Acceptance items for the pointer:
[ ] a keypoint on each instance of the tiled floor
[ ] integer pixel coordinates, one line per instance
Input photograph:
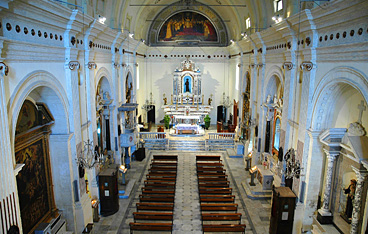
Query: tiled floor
(256, 213)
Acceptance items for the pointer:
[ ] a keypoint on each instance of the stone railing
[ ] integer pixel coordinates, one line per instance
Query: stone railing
(152, 135)
(221, 136)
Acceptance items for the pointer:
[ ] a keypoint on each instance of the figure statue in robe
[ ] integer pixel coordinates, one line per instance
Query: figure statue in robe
(128, 93)
(186, 86)
(349, 203)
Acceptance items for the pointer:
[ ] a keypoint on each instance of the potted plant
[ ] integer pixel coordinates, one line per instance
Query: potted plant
(167, 121)
(207, 121)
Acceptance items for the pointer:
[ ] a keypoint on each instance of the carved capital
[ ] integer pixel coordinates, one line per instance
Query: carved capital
(116, 65)
(288, 65)
(74, 65)
(306, 66)
(124, 65)
(136, 64)
(260, 65)
(252, 65)
(91, 65)
(4, 68)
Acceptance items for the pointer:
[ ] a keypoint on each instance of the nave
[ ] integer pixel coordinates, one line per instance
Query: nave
(187, 216)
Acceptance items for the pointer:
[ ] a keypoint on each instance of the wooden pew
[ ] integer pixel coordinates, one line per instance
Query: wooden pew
(155, 206)
(212, 178)
(165, 157)
(211, 169)
(217, 200)
(219, 207)
(153, 216)
(223, 228)
(159, 198)
(215, 190)
(163, 164)
(149, 191)
(160, 177)
(158, 169)
(151, 227)
(213, 185)
(211, 158)
(201, 174)
(224, 182)
(211, 164)
(221, 217)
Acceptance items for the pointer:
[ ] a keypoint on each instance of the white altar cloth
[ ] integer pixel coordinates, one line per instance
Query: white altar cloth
(180, 127)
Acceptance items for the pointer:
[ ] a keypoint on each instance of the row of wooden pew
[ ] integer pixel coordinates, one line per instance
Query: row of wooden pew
(218, 207)
(156, 202)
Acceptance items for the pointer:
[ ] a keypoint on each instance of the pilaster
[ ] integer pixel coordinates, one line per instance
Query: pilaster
(324, 215)
(357, 202)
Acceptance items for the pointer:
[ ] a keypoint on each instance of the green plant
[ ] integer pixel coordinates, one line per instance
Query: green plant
(207, 121)
(167, 121)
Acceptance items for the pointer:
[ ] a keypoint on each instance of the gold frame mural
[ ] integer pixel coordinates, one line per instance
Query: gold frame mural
(188, 25)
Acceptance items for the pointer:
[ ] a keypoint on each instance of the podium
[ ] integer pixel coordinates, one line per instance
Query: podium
(109, 194)
(282, 211)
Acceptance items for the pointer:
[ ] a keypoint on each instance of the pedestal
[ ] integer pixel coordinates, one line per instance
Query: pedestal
(252, 180)
(324, 217)
(248, 163)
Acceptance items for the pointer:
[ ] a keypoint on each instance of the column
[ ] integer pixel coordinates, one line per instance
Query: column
(356, 219)
(324, 215)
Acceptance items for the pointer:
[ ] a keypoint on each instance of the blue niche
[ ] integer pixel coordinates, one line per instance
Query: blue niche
(187, 84)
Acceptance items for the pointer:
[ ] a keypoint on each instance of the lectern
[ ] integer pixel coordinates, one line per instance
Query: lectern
(109, 194)
(282, 211)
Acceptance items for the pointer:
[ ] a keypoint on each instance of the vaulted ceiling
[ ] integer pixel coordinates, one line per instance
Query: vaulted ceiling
(136, 16)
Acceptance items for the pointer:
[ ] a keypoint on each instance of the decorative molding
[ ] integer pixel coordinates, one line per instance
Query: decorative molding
(124, 65)
(91, 65)
(287, 65)
(4, 68)
(74, 65)
(306, 66)
(116, 65)
(252, 65)
(260, 65)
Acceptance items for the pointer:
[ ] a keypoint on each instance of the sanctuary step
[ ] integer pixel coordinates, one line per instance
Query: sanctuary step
(187, 145)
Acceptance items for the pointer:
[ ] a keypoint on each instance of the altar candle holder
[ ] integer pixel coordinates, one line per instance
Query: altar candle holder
(253, 171)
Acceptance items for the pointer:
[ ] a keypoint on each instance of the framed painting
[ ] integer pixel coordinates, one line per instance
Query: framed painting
(188, 26)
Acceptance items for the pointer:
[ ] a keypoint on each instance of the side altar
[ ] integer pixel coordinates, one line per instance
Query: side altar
(187, 108)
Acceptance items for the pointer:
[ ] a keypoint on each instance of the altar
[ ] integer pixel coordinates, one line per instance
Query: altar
(187, 109)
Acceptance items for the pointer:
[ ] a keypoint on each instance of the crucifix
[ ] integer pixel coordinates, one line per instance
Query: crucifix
(361, 108)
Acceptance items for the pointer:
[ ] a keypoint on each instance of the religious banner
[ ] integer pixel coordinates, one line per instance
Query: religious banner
(187, 26)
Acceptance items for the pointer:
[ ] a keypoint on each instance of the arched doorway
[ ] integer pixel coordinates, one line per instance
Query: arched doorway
(339, 102)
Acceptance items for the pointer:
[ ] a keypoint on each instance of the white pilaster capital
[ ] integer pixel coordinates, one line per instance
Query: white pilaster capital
(4, 69)
(73, 65)
(307, 65)
(360, 174)
(287, 66)
(313, 133)
(331, 155)
(91, 65)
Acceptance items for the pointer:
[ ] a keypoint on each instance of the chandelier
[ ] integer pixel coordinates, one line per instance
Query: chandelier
(148, 105)
(226, 101)
(292, 168)
(89, 157)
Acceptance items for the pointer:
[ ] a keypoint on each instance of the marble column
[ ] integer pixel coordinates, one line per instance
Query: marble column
(355, 219)
(324, 215)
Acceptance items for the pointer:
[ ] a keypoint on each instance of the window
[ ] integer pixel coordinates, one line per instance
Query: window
(247, 23)
(278, 5)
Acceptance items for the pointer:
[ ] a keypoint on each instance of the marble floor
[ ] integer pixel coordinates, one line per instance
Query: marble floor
(255, 213)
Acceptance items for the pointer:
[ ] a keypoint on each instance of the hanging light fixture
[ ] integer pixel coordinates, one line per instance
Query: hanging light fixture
(88, 157)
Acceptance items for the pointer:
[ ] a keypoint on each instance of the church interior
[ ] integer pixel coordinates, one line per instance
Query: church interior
(183, 116)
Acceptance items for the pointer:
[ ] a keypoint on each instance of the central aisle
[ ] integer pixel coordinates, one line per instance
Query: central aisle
(187, 211)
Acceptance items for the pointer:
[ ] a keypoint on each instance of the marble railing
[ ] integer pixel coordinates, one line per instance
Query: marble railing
(152, 135)
(221, 136)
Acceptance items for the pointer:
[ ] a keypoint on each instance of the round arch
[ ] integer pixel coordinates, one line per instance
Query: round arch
(328, 88)
(39, 80)
(275, 72)
(101, 74)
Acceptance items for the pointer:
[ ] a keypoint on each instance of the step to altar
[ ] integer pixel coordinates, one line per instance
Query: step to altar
(256, 192)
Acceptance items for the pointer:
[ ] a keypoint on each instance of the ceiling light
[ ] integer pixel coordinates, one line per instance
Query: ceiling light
(232, 41)
(101, 19)
(131, 35)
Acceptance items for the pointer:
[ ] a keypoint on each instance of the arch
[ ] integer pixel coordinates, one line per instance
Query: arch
(50, 84)
(275, 72)
(101, 73)
(167, 13)
(327, 88)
